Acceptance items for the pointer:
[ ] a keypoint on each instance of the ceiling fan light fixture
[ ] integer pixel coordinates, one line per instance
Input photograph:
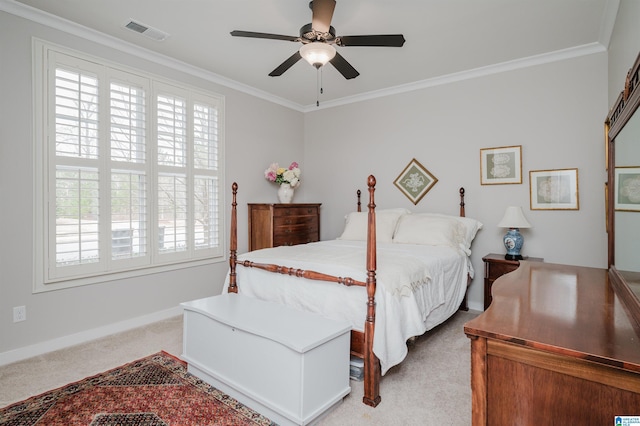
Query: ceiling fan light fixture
(317, 53)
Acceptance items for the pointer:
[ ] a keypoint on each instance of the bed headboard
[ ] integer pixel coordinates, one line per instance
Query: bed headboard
(462, 212)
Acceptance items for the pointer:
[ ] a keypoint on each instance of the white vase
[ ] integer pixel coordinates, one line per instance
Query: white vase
(285, 193)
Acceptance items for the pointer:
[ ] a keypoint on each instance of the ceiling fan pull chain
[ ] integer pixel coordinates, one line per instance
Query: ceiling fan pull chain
(318, 86)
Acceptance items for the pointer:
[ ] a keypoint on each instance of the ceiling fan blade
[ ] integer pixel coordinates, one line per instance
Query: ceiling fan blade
(344, 67)
(322, 14)
(286, 65)
(252, 34)
(382, 40)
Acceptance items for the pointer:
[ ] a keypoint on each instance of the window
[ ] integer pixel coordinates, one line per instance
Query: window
(130, 171)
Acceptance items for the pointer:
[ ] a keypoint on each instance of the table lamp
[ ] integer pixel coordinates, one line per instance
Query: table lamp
(514, 220)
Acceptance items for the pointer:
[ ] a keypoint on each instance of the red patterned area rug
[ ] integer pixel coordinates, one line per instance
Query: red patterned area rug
(153, 391)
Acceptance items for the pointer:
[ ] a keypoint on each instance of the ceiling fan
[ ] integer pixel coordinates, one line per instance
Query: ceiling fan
(318, 39)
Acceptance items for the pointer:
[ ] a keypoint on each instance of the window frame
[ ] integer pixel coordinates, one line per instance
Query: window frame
(47, 275)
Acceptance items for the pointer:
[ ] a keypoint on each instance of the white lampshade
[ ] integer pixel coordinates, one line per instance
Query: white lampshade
(317, 53)
(514, 218)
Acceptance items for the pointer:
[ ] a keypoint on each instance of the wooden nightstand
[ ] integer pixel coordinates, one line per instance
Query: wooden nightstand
(273, 225)
(495, 266)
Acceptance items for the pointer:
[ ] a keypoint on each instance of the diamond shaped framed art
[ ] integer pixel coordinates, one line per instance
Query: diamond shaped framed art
(415, 181)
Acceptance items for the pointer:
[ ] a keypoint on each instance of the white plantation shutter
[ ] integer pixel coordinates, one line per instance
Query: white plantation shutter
(172, 171)
(74, 202)
(129, 230)
(128, 122)
(76, 112)
(205, 195)
(77, 216)
(131, 171)
(172, 131)
(172, 212)
(206, 212)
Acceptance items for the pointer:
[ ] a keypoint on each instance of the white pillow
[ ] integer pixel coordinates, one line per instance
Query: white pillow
(399, 210)
(355, 227)
(429, 230)
(471, 226)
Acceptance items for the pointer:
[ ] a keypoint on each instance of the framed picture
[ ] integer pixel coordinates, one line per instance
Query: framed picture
(415, 181)
(554, 189)
(627, 189)
(500, 166)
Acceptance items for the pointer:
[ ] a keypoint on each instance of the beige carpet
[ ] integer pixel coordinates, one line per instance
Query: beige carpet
(431, 387)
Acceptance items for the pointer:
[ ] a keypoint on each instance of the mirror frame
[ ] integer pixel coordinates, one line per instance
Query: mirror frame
(623, 109)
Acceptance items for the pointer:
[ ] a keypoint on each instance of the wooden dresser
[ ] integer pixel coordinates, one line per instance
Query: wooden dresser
(555, 347)
(272, 225)
(495, 266)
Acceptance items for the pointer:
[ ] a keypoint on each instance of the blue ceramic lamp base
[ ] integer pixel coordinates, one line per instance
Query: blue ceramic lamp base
(513, 241)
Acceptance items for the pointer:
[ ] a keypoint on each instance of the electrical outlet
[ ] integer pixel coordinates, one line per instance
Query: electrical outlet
(19, 313)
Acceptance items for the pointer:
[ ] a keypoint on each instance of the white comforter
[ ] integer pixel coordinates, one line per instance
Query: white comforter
(418, 287)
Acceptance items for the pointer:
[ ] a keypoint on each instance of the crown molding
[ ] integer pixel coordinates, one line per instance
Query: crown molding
(559, 55)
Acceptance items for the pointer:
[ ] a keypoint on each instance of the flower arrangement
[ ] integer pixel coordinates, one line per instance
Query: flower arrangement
(281, 175)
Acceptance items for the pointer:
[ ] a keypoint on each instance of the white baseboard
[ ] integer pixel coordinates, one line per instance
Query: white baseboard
(85, 336)
(476, 306)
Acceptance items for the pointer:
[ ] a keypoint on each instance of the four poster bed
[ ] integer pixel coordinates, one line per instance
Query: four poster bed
(417, 273)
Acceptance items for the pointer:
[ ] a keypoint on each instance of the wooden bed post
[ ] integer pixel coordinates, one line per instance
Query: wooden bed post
(233, 243)
(372, 374)
(464, 306)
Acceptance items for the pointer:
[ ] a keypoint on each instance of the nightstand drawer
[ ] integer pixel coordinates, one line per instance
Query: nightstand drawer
(496, 270)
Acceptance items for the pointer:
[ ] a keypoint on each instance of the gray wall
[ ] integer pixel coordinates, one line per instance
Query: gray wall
(555, 111)
(623, 46)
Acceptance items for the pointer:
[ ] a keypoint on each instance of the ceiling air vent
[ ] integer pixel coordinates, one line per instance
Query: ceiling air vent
(146, 30)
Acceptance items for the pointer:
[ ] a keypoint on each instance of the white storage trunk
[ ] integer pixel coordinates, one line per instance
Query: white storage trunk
(289, 365)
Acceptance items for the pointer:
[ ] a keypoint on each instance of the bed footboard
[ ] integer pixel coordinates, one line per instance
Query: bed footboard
(362, 343)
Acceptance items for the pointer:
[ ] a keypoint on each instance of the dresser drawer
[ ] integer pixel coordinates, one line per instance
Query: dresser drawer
(292, 221)
(301, 232)
(295, 211)
(293, 239)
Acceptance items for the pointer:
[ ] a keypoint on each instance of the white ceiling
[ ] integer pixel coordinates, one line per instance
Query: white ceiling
(444, 38)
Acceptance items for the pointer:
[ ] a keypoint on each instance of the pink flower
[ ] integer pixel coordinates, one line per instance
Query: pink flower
(281, 175)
